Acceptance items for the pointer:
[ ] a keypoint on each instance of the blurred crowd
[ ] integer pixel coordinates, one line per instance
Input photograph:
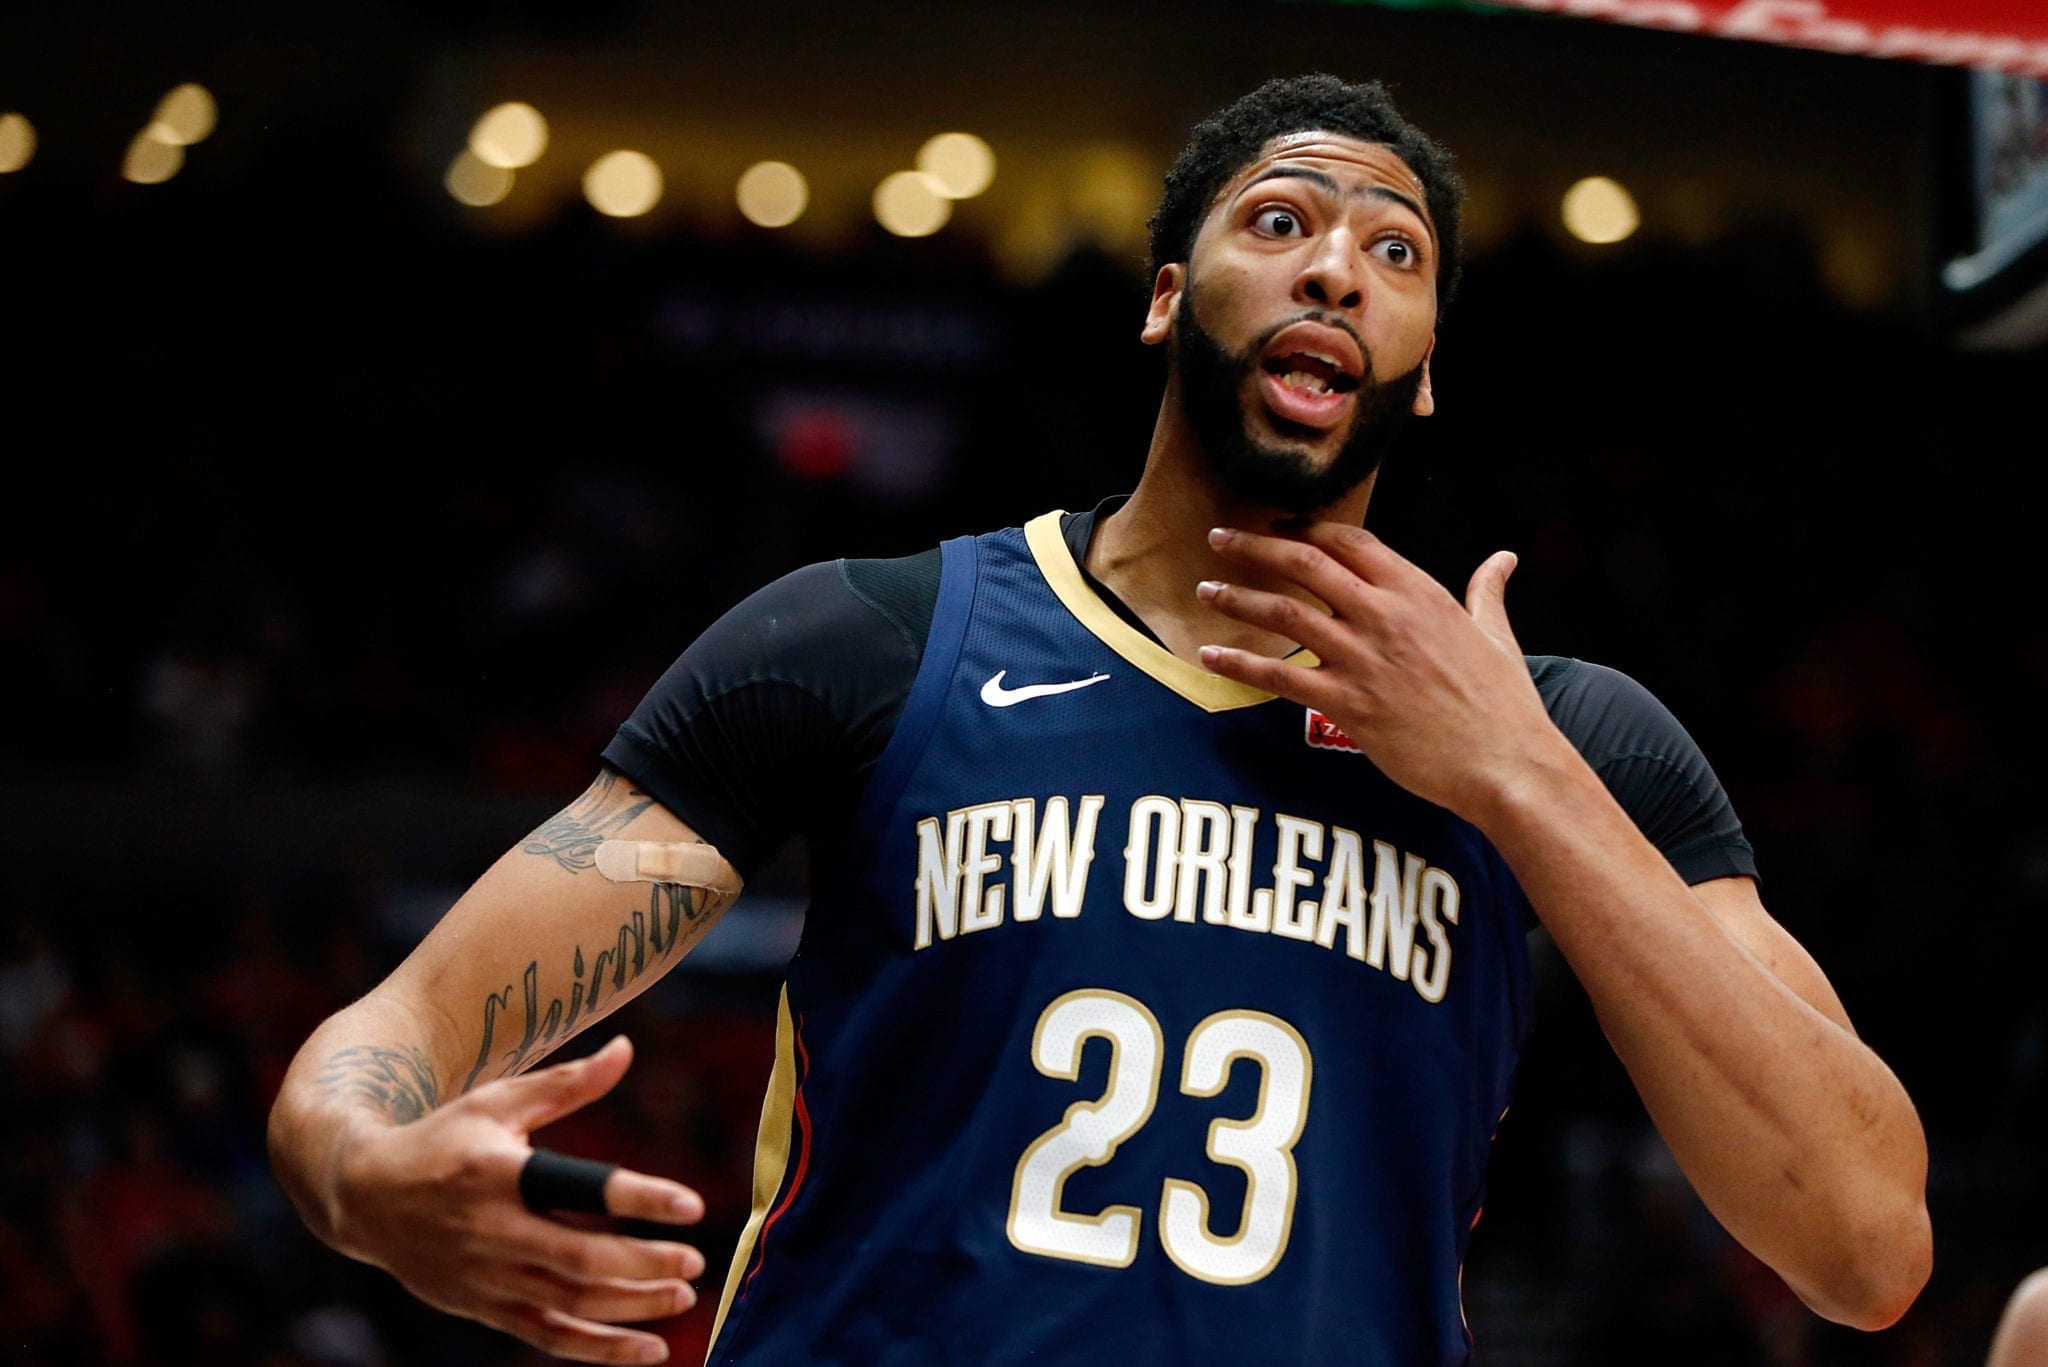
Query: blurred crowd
(345, 535)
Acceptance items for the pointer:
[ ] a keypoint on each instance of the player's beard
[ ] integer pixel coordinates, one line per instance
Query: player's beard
(1212, 386)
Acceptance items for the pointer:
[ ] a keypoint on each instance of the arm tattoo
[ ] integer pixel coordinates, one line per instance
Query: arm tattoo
(675, 919)
(571, 836)
(398, 1082)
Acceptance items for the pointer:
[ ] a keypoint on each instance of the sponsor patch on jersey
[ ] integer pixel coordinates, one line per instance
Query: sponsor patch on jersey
(1323, 734)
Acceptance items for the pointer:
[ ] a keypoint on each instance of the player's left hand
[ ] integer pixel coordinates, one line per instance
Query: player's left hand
(1436, 694)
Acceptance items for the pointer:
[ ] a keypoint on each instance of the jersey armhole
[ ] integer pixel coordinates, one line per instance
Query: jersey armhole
(959, 571)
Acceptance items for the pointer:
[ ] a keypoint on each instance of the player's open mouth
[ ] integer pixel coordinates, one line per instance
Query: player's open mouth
(1311, 371)
(1307, 389)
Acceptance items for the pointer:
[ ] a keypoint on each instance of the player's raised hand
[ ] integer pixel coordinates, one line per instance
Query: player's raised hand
(1435, 693)
(437, 1204)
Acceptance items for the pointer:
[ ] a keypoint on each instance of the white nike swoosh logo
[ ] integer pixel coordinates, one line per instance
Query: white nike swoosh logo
(995, 695)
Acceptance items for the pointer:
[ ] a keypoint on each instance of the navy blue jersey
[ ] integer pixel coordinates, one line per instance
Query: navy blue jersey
(1138, 1017)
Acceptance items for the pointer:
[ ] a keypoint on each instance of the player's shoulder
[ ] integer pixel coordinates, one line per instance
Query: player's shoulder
(902, 589)
(840, 601)
(1606, 713)
(845, 603)
(1563, 680)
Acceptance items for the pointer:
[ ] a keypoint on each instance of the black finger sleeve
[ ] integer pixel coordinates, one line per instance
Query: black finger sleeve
(555, 1181)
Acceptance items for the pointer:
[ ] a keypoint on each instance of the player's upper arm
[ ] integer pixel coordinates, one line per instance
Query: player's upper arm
(1658, 773)
(1654, 768)
(546, 942)
(1735, 904)
(768, 719)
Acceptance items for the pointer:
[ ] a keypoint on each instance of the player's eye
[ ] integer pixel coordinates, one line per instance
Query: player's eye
(1277, 222)
(1398, 252)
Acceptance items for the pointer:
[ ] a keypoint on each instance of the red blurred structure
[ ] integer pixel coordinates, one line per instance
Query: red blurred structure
(2008, 35)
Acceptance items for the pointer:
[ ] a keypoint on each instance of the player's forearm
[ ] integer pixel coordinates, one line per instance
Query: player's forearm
(1795, 1134)
(369, 1066)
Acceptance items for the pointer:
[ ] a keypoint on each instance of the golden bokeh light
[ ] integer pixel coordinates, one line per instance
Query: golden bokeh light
(773, 194)
(151, 162)
(17, 142)
(510, 135)
(475, 181)
(623, 184)
(908, 204)
(185, 116)
(960, 164)
(1600, 211)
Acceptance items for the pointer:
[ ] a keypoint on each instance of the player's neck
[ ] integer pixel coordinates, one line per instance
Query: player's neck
(1154, 550)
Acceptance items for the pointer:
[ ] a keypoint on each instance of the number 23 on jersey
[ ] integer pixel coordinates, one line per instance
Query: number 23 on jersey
(1262, 1144)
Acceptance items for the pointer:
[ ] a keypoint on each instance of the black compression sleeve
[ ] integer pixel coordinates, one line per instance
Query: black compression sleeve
(773, 717)
(1653, 768)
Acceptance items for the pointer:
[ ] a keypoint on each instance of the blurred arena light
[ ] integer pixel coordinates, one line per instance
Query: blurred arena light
(960, 165)
(475, 181)
(17, 142)
(773, 194)
(1600, 210)
(184, 117)
(509, 136)
(150, 161)
(909, 204)
(623, 184)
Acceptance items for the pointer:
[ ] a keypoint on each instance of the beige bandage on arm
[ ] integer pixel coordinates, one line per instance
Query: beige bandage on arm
(666, 861)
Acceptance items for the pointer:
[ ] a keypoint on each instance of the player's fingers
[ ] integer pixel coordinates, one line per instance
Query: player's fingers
(548, 1094)
(1370, 558)
(1292, 682)
(1486, 595)
(591, 1255)
(565, 1336)
(639, 1196)
(614, 1300)
(1282, 557)
(1277, 613)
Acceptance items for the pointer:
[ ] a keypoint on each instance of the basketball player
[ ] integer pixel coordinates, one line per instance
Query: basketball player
(2022, 1336)
(1166, 974)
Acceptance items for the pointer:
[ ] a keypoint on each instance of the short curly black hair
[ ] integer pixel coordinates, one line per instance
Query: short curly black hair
(1233, 137)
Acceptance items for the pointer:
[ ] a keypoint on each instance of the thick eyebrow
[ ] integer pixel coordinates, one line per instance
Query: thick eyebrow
(1329, 186)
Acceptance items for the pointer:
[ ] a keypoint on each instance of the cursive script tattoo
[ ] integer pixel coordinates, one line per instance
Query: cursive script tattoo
(571, 836)
(399, 1082)
(675, 919)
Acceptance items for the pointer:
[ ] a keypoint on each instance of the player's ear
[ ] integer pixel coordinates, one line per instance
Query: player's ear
(1425, 399)
(1166, 289)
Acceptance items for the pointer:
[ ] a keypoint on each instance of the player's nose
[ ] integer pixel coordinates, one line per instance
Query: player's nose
(1333, 277)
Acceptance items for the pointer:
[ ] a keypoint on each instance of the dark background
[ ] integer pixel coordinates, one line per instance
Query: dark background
(343, 523)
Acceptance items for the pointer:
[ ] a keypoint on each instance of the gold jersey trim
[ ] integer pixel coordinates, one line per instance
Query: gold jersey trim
(771, 1158)
(1210, 692)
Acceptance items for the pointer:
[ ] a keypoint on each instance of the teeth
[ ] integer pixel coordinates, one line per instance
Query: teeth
(1301, 379)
